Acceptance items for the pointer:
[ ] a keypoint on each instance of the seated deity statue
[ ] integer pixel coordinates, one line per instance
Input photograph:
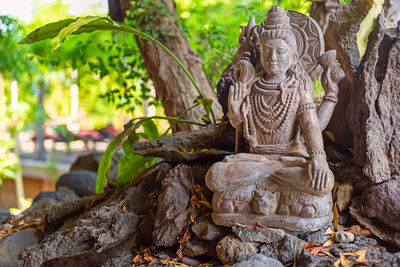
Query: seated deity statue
(283, 180)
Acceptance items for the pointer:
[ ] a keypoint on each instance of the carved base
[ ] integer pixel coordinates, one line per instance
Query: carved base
(291, 223)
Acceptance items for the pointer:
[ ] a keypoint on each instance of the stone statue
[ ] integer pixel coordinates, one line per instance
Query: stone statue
(284, 181)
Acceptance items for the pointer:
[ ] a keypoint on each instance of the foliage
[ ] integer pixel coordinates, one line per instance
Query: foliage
(8, 160)
(215, 36)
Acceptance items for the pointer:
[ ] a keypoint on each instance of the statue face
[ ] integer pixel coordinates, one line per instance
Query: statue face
(276, 57)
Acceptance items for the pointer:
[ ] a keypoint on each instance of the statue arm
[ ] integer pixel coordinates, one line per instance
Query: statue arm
(319, 174)
(325, 110)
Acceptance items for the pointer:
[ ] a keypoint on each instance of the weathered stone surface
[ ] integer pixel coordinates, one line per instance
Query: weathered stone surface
(12, 245)
(171, 216)
(204, 228)
(316, 238)
(382, 202)
(259, 260)
(343, 196)
(231, 249)
(375, 107)
(283, 250)
(262, 235)
(344, 237)
(194, 248)
(341, 36)
(378, 229)
(122, 259)
(4, 216)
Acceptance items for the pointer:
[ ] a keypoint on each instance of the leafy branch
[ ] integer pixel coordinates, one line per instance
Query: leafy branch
(63, 29)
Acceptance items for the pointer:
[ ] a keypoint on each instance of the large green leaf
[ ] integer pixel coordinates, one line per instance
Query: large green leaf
(47, 31)
(128, 166)
(106, 158)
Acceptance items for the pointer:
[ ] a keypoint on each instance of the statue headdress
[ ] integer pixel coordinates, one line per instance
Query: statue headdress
(277, 26)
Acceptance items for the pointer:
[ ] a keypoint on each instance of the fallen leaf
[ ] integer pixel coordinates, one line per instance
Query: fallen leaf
(313, 250)
(358, 230)
(194, 202)
(185, 237)
(345, 262)
(329, 242)
(150, 259)
(191, 218)
(337, 263)
(165, 260)
(206, 203)
(335, 216)
(179, 253)
(330, 231)
(376, 249)
(327, 252)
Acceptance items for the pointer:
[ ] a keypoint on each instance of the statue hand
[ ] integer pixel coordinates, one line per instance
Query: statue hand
(329, 86)
(321, 177)
(236, 97)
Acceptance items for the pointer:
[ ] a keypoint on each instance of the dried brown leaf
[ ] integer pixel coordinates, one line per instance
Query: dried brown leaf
(185, 237)
(329, 242)
(327, 252)
(330, 231)
(335, 216)
(345, 262)
(179, 254)
(191, 218)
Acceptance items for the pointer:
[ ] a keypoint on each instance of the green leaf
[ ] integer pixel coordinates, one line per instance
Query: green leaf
(47, 31)
(105, 161)
(128, 166)
(70, 29)
(150, 130)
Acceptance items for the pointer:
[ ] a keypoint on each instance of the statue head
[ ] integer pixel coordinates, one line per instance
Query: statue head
(277, 43)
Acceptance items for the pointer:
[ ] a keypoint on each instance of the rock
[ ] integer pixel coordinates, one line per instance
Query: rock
(4, 216)
(259, 260)
(122, 259)
(344, 237)
(382, 202)
(83, 183)
(231, 249)
(262, 235)
(343, 196)
(90, 162)
(315, 238)
(375, 107)
(284, 249)
(172, 211)
(194, 248)
(12, 245)
(378, 229)
(340, 35)
(204, 228)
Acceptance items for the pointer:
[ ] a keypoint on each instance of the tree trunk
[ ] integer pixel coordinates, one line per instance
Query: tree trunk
(320, 10)
(41, 152)
(173, 88)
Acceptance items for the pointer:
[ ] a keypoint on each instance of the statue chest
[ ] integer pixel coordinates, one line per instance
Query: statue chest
(273, 116)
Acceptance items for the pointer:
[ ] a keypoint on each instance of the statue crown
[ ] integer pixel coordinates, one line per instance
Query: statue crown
(277, 18)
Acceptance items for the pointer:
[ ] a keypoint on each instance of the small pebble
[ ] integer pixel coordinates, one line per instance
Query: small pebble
(344, 237)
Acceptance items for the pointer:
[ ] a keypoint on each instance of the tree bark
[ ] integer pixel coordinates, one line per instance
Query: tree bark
(173, 88)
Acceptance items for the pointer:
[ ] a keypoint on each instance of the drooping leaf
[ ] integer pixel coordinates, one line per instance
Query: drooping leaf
(128, 166)
(150, 129)
(47, 31)
(105, 161)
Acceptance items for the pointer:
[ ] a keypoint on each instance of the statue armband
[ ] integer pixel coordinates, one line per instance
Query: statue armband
(304, 107)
